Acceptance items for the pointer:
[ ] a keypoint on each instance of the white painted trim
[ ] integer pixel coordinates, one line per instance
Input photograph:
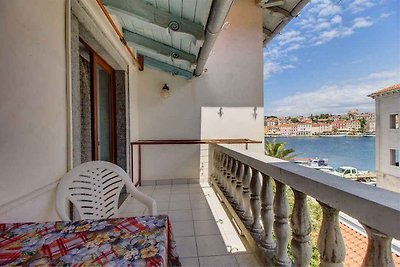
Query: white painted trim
(68, 83)
(27, 197)
(95, 13)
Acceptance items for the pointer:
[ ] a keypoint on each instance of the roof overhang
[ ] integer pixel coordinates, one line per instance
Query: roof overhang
(394, 89)
(277, 14)
(173, 36)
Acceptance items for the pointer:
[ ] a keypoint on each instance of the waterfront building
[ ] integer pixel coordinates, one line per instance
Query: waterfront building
(325, 127)
(315, 128)
(340, 125)
(371, 126)
(303, 129)
(353, 125)
(387, 110)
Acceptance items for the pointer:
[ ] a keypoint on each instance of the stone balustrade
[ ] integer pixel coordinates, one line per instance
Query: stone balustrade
(245, 181)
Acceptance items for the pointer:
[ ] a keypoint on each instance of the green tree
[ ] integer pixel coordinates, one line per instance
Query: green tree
(363, 125)
(278, 150)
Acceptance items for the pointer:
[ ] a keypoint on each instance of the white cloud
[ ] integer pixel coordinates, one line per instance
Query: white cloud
(321, 22)
(362, 22)
(329, 10)
(337, 98)
(385, 15)
(290, 37)
(336, 19)
(275, 67)
(357, 6)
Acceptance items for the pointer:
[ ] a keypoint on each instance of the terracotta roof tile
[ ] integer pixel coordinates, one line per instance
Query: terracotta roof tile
(395, 87)
(356, 247)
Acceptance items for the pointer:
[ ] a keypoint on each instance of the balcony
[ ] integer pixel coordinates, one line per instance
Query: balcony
(241, 217)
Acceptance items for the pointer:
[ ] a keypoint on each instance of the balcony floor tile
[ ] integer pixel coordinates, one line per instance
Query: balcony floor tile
(183, 229)
(206, 228)
(190, 262)
(186, 246)
(211, 245)
(220, 261)
(180, 216)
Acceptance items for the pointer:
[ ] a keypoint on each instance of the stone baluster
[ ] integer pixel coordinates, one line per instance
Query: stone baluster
(224, 173)
(255, 188)
(228, 177)
(379, 251)
(214, 165)
(330, 241)
(281, 225)
(233, 183)
(220, 169)
(267, 215)
(239, 194)
(247, 218)
(301, 230)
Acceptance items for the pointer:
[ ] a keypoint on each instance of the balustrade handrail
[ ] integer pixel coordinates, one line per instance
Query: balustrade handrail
(375, 207)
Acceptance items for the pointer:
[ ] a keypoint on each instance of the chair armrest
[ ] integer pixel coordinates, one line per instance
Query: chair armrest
(143, 198)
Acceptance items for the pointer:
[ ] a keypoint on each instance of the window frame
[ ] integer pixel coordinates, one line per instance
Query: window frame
(394, 121)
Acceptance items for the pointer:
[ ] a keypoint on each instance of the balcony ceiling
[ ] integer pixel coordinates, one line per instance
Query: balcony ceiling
(277, 14)
(170, 33)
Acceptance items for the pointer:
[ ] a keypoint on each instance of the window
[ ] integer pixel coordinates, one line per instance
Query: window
(394, 157)
(394, 121)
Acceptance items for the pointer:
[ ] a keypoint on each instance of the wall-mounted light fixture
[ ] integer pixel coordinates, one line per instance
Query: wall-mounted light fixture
(220, 113)
(255, 113)
(164, 91)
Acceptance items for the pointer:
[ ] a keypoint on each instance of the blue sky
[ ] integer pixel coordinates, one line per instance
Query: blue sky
(329, 58)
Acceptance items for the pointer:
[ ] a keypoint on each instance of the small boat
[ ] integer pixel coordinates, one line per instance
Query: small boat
(313, 163)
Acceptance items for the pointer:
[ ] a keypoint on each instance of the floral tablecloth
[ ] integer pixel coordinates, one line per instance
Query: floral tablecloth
(136, 241)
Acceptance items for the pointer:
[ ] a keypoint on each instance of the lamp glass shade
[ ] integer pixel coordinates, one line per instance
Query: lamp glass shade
(165, 91)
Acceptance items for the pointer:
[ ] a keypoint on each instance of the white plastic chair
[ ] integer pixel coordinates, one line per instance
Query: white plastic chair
(94, 188)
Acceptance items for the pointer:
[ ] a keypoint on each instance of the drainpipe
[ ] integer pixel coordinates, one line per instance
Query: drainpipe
(218, 13)
(295, 11)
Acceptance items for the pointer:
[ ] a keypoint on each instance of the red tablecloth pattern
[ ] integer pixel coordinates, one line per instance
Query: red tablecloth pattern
(137, 241)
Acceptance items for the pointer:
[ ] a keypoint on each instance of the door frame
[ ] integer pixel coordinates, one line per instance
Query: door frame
(97, 60)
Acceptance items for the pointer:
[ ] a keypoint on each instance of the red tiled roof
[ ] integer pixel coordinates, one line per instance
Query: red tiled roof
(356, 247)
(393, 88)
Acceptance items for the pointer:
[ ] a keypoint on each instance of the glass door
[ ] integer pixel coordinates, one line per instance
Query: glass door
(103, 104)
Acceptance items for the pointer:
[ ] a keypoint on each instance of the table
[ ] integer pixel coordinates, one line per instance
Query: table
(136, 241)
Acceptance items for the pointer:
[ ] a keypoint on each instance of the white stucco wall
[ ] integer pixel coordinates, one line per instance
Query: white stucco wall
(234, 78)
(32, 103)
(386, 139)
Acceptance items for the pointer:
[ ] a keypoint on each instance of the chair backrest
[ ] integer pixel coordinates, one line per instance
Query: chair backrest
(93, 188)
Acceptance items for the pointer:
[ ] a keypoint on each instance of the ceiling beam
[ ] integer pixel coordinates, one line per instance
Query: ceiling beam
(267, 32)
(270, 3)
(156, 64)
(281, 11)
(175, 25)
(163, 49)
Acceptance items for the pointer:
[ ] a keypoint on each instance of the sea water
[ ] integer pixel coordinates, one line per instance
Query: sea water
(358, 152)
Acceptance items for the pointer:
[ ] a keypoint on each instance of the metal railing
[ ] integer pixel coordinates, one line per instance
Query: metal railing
(141, 143)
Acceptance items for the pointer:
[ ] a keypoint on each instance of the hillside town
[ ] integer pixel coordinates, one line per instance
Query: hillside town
(353, 123)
